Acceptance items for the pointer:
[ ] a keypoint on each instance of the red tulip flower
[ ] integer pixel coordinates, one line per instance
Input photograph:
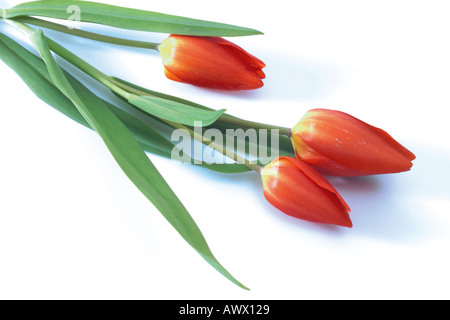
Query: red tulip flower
(337, 144)
(211, 62)
(301, 192)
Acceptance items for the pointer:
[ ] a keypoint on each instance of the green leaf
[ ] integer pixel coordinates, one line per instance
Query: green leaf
(33, 72)
(126, 18)
(175, 111)
(132, 159)
(148, 92)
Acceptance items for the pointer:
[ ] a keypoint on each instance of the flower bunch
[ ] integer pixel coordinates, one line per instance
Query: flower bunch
(323, 143)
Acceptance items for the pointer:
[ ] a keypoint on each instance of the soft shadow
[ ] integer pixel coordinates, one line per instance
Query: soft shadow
(356, 184)
(394, 207)
(431, 174)
(251, 178)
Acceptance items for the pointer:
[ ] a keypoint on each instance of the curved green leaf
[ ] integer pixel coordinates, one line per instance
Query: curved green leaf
(132, 159)
(148, 92)
(175, 111)
(127, 18)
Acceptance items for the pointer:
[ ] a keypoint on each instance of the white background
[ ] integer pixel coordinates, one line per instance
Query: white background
(72, 226)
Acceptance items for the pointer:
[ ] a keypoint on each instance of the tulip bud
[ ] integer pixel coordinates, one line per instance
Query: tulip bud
(211, 62)
(301, 192)
(337, 144)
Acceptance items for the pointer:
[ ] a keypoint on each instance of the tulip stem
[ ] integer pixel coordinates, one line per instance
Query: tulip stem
(226, 152)
(87, 68)
(86, 34)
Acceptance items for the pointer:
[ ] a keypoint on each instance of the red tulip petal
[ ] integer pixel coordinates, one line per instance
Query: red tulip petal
(170, 76)
(319, 179)
(298, 191)
(321, 163)
(209, 62)
(394, 144)
(353, 144)
(261, 74)
(243, 55)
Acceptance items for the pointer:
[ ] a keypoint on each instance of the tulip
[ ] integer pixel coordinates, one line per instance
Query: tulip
(301, 192)
(337, 144)
(211, 62)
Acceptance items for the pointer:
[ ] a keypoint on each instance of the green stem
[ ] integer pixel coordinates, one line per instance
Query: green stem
(87, 35)
(226, 152)
(87, 68)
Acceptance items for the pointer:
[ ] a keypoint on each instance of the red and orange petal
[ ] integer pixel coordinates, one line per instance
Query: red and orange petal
(299, 191)
(244, 56)
(336, 143)
(211, 62)
(170, 76)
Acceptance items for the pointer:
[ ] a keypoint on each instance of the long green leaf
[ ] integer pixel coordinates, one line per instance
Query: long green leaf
(34, 73)
(132, 159)
(126, 18)
(160, 95)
